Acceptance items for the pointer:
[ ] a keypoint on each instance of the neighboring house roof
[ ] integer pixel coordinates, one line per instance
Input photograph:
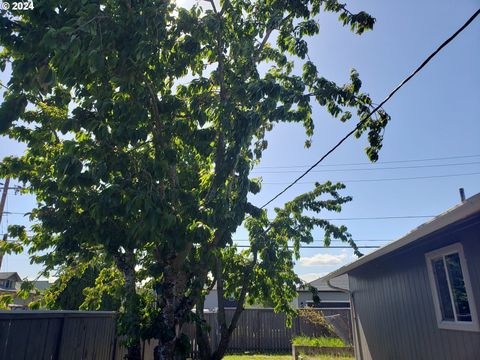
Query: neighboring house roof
(42, 284)
(9, 276)
(467, 208)
(322, 285)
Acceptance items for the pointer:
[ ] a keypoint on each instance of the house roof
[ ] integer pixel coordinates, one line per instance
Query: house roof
(9, 275)
(42, 284)
(467, 208)
(322, 285)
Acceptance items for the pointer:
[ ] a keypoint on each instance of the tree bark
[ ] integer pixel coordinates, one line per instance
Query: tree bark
(173, 313)
(204, 347)
(131, 304)
(222, 322)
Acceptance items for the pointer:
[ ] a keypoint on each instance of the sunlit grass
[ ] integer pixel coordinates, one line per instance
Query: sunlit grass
(285, 357)
(318, 341)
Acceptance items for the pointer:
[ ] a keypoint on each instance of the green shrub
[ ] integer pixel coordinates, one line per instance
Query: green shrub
(316, 317)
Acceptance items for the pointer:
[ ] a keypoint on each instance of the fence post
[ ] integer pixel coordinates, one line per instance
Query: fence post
(299, 326)
(215, 328)
(60, 338)
(114, 350)
(256, 330)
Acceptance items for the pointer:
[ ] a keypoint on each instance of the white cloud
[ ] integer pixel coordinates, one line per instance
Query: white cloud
(323, 259)
(308, 277)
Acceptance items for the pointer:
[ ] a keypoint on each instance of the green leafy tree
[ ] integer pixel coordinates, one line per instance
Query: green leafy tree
(145, 121)
(86, 287)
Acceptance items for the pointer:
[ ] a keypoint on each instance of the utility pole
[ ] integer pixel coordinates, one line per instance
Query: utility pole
(2, 206)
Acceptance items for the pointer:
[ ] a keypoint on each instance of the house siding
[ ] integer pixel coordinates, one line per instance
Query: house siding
(211, 300)
(394, 306)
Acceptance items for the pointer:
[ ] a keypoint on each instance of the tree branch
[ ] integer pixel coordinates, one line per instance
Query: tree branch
(212, 2)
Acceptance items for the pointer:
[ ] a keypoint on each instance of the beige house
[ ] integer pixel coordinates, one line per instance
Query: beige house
(10, 283)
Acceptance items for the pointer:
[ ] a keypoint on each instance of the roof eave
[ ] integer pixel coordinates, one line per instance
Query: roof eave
(469, 207)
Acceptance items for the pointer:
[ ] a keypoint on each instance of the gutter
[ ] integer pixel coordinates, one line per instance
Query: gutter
(356, 329)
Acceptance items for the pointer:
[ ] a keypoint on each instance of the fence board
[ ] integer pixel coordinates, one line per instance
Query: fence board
(262, 330)
(36, 347)
(17, 340)
(58, 335)
(91, 335)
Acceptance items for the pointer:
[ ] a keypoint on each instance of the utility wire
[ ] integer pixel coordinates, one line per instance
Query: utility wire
(310, 247)
(329, 219)
(361, 123)
(301, 246)
(325, 247)
(315, 240)
(321, 241)
(374, 168)
(343, 181)
(383, 217)
(14, 213)
(369, 163)
(373, 180)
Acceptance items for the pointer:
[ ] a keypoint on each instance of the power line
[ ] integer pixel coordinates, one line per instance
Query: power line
(354, 164)
(326, 247)
(362, 122)
(343, 181)
(333, 240)
(309, 246)
(374, 168)
(369, 163)
(381, 217)
(373, 180)
(329, 219)
(15, 187)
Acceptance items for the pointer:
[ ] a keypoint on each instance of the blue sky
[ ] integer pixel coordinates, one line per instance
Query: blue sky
(433, 116)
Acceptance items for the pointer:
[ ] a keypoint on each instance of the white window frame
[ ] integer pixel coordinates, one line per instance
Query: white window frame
(452, 324)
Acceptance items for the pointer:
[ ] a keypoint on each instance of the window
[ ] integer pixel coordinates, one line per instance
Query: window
(7, 284)
(451, 289)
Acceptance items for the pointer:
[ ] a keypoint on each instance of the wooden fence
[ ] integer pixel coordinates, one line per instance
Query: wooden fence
(62, 335)
(263, 330)
(58, 335)
(260, 331)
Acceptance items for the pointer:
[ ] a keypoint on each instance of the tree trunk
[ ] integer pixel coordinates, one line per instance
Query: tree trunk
(226, 333)
(221, 318)
(174, 308)
(126, 263)
(227, 330)
(133, 352)
(165, 351)
(204, 347)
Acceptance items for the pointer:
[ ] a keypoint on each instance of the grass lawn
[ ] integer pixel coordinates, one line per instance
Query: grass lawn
(318, 341)
(284, 357)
